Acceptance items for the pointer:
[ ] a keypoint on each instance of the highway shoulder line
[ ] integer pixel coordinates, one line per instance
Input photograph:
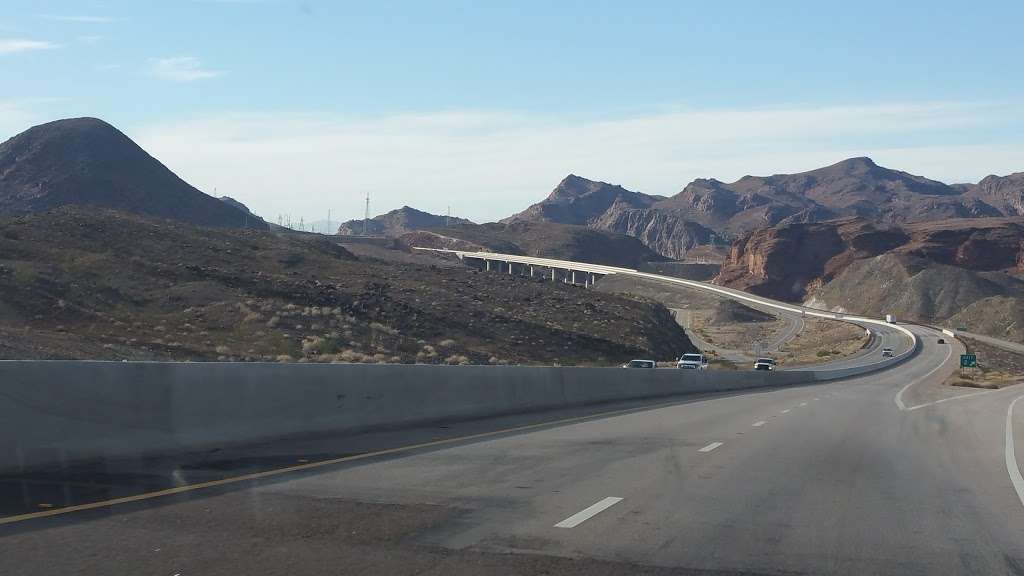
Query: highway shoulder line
(711, 447)
(1011, 457)
(589, 512)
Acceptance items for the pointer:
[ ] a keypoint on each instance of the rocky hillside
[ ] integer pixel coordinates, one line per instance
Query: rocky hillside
(542, 239)
(708, 211)
(612, 208)
(398, 222)
(87, 162)
(1004, 193)
(954, 271)
(580, 201)
(87, 283)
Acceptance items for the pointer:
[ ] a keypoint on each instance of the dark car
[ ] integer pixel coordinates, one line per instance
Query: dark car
(640, 364)
(942, 340)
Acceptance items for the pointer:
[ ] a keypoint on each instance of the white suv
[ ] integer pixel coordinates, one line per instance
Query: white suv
(692, 362)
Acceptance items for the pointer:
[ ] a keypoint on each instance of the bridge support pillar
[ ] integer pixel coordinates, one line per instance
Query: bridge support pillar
(552, 274)
(531, 270)
(509, 268)
(487, 265)
(574, 277)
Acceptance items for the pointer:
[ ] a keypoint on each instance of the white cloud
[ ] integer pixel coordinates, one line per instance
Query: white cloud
(487, 165)
(90, 39)
(12, 45)
(180, 69)
(81, 19)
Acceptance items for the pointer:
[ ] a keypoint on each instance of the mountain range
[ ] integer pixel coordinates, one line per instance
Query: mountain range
(853, 236)
(710, 211)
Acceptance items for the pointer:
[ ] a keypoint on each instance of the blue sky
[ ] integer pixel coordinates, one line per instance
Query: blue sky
(297, 107)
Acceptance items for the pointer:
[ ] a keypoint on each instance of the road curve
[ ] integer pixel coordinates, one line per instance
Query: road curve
(862, 360)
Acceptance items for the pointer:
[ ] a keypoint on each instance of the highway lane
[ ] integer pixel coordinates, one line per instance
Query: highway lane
(831, 478)
(836, 480)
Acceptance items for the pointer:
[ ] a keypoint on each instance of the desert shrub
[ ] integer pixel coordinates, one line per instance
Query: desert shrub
(446, 343)
(378, 327)
(457, 359)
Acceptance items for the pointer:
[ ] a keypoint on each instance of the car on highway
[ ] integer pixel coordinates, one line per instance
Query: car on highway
(692, 362)
(942, 340)
(764, 364)
(640, 364)
(887, 352)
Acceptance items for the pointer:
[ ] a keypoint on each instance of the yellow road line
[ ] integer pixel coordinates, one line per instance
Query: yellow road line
(311, 466)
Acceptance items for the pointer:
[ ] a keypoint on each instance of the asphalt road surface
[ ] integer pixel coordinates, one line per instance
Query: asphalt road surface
(883, 474)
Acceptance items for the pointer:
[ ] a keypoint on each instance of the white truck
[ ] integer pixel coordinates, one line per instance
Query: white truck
(692, 362)
(890, 319)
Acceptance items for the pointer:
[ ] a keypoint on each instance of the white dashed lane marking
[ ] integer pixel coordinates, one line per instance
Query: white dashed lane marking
(588, 512)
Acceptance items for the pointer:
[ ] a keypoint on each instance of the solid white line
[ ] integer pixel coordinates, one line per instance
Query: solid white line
(786, 411)
(588, 512)
(1011, 457)
(899, 395)
(758, 424)
(710, 447)
(951, 398)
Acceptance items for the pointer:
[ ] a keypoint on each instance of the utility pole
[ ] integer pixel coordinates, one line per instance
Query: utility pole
(328, 221)
(448, 217)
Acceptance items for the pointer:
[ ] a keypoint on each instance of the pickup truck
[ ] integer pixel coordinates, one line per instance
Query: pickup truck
(764, 364)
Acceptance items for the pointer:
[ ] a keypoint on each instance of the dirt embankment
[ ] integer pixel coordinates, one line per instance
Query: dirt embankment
(79, 283)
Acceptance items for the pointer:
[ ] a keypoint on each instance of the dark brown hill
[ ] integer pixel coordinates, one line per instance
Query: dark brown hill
(87, 162)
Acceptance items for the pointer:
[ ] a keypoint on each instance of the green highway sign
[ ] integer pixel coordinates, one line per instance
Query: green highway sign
(968, 360)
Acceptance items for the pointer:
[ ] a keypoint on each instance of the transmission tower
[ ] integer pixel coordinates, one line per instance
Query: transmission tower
(366, 215)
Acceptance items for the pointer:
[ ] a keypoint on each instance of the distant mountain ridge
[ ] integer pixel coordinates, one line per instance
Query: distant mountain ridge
(87, 162)
(710, 211)
(398, 222)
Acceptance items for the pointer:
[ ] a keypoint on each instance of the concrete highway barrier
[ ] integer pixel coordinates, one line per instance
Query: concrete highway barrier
(55, 412)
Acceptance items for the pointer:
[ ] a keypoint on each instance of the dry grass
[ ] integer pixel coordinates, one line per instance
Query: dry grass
(822, 340)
